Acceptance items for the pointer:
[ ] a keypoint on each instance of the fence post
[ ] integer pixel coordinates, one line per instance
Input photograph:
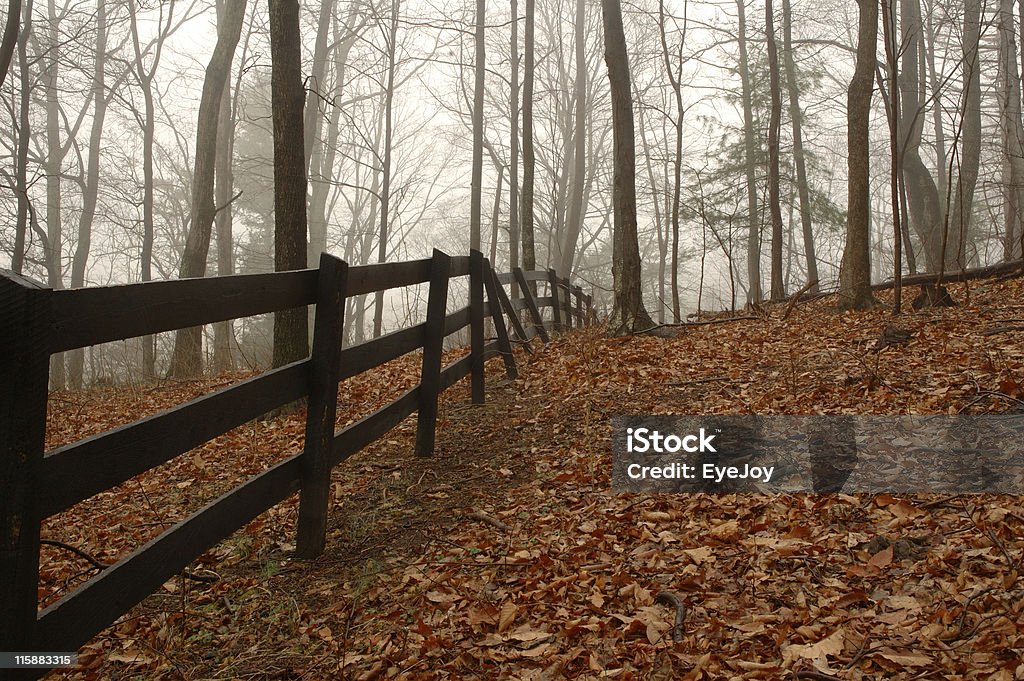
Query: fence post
(578, 292)
(476, 325)
(567, 301)
(500, 330)
(24, 364)
(314, 493)
(433, 344)
(531, 304)
(556, 312)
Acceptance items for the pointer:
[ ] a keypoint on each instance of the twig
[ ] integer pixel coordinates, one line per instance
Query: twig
(1001, 329)
(673, 600)
(484, 518)
(698, 381)
(77, 551)
(796, 297)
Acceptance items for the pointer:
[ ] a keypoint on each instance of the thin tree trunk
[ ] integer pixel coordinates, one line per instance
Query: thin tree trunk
(1013, 134)
(970, 155)
(186, 359)
(936, 92)
(893, 111)
(922, 194)
(753, 222)
(10, 39)
(513, 170)
(796, 117)
(476, 183)
(677, 160)
(24, 137)
(291, 330)
(529, 162)
(76, 358)
(628, 314)
(385, 195)
(54, 158)
(224, 188)
(312, 129)
(855, 275)
(774, 129)
(574, 226)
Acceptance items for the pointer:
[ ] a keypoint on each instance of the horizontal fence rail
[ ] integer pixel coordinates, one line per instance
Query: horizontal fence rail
(36, 322)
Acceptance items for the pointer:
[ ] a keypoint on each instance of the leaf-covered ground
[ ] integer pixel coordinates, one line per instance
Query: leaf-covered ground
(507, 556)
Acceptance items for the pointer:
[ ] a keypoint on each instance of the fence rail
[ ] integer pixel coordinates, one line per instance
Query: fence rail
(36, 322)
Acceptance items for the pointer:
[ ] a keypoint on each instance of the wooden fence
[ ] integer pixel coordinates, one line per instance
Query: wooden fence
(34, 485)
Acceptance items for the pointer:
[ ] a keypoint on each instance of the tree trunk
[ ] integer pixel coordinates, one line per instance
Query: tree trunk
(76, 358)
(936, 93)
(145, 78)
(54, 168)
(10, 39)
(893, 115)
(970, 155)
(224, 188)
(774, 128)
(24, 137)
(291, 331)
(529, 162)
(796, 117)
(312, 127)
(1013, 133)
(753, 222)
(476, 182)
(922, 195)
(186, 360)
(385, 195)
(677, 160)
(855, 276)
(628, 314)
(513, 169)
(574, 226)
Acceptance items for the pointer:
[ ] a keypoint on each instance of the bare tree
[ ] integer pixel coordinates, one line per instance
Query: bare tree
(186, 360)
(479, 71)
(575, 219)
(753, 222)
(774, 128)
(629, 314)
(855, 276)
(796, 119)
(10, 38)
(291, 331)
(529, 161)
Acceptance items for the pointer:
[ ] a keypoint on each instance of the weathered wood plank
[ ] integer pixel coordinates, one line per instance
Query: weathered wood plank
(373, 353)
(476, 325)
(80, 470)
(371, 428)
(459, 266)
(531, 304)
(457, 320)
(88, 316)
(24, 365)
(73, 620)
(328, 331)
(433, 342)
(383, 276)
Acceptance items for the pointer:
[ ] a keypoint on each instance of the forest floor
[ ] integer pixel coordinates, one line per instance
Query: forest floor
(506, 555)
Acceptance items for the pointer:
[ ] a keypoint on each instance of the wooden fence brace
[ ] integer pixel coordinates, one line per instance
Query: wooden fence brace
(513, 315)
(328, 331)
(433, 345)
(556, 312)
(504, 345)
(531, 304)
(476, 326)
(24, 362)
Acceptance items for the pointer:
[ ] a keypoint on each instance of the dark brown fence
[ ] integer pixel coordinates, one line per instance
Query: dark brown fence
(36, 322)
